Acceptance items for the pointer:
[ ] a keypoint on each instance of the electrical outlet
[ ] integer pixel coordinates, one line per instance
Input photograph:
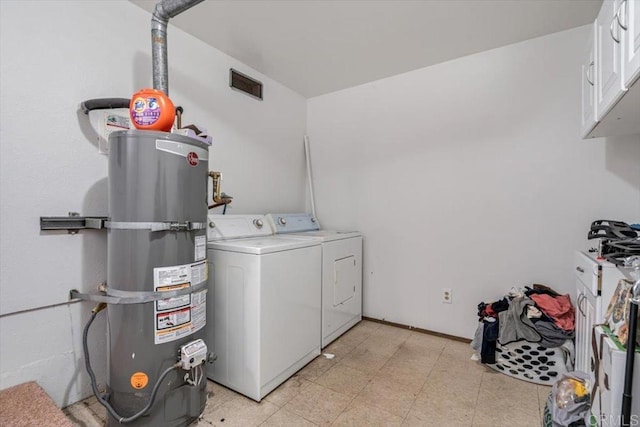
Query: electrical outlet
(446, 295)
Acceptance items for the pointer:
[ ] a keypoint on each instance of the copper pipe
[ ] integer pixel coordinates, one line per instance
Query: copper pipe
(218, 199)
(215, 179)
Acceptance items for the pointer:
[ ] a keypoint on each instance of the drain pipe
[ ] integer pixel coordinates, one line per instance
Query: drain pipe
(307, 156)
(164, 10)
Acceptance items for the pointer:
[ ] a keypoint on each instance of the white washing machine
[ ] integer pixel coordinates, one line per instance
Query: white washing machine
(263, 305)
(341, 270)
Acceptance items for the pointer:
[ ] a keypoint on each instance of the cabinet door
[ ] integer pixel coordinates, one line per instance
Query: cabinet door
(580, 335)
(630, 18)
(580, 361)
(609, 86)
(588, 121)
(589, 308)
(585, 317)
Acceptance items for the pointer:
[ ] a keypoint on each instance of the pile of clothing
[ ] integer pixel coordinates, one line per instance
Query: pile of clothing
(536, 314)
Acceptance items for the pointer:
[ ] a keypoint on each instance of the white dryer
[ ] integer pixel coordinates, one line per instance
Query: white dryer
(263, 306)
(341, 270)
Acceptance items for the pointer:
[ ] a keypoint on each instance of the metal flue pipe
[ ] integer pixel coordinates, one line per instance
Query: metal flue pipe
(164, 10)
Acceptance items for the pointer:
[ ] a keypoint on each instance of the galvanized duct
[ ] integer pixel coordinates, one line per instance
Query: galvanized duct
(164, 10)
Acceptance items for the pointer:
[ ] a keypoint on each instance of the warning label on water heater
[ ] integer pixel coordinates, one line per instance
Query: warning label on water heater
(182, 315)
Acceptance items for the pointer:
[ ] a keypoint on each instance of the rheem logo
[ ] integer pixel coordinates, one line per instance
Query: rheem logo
(192, 158)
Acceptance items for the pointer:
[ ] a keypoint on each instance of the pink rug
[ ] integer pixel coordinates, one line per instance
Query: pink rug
(28, 405)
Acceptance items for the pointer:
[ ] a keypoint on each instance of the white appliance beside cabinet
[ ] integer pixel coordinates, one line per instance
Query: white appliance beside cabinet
(596, 281)
(264, 304)
(341, 270)
(607, 403)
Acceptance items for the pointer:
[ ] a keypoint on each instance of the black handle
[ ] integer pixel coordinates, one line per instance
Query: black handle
(630, 359)
(104, 104)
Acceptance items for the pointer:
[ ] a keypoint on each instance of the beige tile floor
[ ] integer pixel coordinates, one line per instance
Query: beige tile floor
(380, 376)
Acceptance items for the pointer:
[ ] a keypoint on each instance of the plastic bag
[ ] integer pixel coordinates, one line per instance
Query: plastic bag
(570, 400)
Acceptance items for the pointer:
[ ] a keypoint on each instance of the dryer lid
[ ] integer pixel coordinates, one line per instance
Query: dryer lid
(327, 235)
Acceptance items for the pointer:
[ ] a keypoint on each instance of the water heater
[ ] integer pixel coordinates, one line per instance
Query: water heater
(157, 255)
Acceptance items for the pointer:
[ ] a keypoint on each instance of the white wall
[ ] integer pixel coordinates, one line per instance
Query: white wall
(468, 175)
(53, 56)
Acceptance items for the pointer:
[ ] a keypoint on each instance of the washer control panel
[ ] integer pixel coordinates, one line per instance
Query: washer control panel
(222, 227)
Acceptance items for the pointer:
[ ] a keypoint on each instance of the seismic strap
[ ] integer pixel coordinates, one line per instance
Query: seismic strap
(115, 296)
(156, 226)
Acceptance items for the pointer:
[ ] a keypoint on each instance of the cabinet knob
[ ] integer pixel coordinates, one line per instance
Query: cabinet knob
(580, 269)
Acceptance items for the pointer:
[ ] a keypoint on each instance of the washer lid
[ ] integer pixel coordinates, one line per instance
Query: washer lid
(327, 235)
(262, 245)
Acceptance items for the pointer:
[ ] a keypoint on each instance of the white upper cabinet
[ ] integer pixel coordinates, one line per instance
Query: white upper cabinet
(609, 86)
(629, 17)
(612, 79)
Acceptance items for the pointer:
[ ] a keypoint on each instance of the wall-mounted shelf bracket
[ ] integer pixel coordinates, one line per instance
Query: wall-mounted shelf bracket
(72, 223)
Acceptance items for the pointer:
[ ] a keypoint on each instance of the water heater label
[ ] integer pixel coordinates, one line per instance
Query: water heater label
(200, 248)
(180, 316)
